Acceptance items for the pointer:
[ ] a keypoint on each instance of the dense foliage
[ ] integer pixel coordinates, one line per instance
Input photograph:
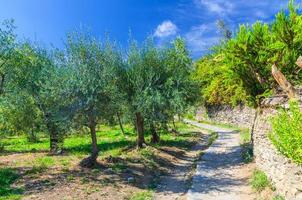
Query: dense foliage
(239, 69)
(287, 132)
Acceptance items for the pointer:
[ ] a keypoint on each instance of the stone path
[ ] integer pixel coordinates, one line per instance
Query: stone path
(221, 174)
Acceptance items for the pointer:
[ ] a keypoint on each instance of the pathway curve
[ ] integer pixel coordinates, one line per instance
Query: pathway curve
(220, 173)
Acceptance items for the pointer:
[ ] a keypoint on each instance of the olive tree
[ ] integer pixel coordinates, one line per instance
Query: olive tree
(181, 90)
(7, 51)
(93, 76)
(44, 83)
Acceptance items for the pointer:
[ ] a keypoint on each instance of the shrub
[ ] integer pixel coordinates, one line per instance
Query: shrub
(286, 132)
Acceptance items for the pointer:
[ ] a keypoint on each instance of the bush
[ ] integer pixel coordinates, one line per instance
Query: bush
(259, 181)
(219, 84)
(286, 132)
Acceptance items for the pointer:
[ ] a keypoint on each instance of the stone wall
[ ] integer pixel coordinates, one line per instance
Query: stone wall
(242, 116)
(285, 175)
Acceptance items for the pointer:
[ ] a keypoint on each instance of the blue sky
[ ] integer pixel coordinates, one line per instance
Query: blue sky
(48, 21)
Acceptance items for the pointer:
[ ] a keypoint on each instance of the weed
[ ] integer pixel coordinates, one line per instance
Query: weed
(212, 138)
(41, 165)
(259, 181)
(278, 197)
(46, 161)
(84, 180)
(65, 162)
(146, 195)
(247, 148)
(36, 169)
(118, 167)
(70, 178)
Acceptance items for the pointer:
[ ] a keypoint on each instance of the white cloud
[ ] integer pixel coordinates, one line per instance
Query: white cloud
(165, 29)
(201, 38)
(216, 6)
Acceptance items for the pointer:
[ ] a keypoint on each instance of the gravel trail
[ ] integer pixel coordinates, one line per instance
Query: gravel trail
(221, 173)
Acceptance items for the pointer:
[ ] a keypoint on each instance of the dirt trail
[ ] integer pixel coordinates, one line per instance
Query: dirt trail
(175, 185)
(221, 173)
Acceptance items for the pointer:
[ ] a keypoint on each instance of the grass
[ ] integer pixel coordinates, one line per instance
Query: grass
(245, 140)
(278, 197)
(7, 177)
(146, 195)
(259, 181)
(112, 144)
(110, 141)
(222, 125)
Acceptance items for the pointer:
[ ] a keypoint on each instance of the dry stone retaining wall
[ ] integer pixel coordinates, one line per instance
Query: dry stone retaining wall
(285, 175)
(242, 116)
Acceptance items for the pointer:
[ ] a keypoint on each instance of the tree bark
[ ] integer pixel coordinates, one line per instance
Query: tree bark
(120, 123)
(56, 140)
(94, 145)
(140, 130)
(155, 137)
(174, 129)
(92, 159)
(55, 147)
(283, 83)
(174, 126)
(253, 129)
(2, 78)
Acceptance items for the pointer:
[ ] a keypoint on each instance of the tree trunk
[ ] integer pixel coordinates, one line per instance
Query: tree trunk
(253, 129)
(91, 160)
(155, 137)
(2, 78)
(140, 130)
(174, 129)
(120, 123)
(174, 126)
(94, 145)
(283, 83)
(55, 142)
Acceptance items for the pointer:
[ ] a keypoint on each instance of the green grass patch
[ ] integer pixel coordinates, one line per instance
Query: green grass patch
(185, 139)
(41, 164)
(278, 197)
(146, 195)
(259, 181)
(221, 125)
(111, 142)
(7, 177)
(247, 148)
